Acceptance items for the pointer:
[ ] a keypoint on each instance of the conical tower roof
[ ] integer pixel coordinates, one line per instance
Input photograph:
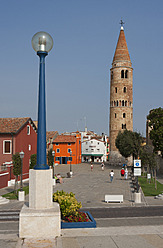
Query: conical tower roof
(121, 52)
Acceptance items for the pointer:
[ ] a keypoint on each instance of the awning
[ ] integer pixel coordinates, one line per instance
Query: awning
(93, 155)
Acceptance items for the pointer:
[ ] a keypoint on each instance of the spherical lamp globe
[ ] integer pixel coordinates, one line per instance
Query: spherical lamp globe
(42, 42)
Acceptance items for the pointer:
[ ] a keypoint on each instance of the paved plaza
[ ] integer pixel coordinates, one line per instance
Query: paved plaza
(90, 188)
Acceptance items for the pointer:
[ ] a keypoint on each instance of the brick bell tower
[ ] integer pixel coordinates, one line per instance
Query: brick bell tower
(121, 93)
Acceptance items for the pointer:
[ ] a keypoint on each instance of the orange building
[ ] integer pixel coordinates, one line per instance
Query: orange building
(63, 145)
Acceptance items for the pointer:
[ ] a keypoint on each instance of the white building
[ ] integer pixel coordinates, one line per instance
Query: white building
(94, 150)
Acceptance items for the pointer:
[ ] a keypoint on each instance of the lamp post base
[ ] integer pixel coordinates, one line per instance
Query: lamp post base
(71, 173)
(21, 196)
(41, 217)
(39, 223)
(137, 197)
(54, 182)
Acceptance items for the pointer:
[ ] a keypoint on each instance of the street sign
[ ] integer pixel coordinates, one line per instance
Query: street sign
(137, 163)
(137, 172)
(148, 176)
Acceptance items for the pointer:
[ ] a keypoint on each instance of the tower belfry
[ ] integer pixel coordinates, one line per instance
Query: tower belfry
(121, 92)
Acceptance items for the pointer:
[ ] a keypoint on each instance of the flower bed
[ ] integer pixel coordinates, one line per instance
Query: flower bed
(70, 214)
(88, 224)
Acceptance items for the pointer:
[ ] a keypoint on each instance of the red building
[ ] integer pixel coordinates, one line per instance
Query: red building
(16, 134)
(62, 146)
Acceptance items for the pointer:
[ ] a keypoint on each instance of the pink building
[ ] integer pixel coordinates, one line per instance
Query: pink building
(16, 134)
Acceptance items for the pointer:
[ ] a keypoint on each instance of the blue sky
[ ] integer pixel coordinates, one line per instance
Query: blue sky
(85, 34)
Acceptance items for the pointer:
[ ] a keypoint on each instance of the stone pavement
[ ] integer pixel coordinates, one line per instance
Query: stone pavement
(90, 188)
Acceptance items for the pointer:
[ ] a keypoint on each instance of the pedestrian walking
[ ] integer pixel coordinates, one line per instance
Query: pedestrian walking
(91, 166)
(126, 174)
(111, 176)
(122, 173)
(102, 166)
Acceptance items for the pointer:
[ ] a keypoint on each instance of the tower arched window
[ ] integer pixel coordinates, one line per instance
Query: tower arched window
(123, 126)
(115, 89)
(114, 103)
(111, 75)
(120, 103)
(117, 103)
(126, 103)
(115, 115)
(126, 74)
(122, 74)
(124, 89)
(124, 115)
(123, 103)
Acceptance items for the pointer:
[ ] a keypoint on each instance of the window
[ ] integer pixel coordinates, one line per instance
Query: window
(28, 130)
(123, 126)
(92, 149)
(124, 89)
(126, 74)
(86, 149)
(91, 142)
(124, 115)
(126, 103)
(98, 143)
(115, 89)
(117, 103)
(56, 158)
(123, 103)
(111, 75)
(58, 150)
(7, 147)
(69, 144)
(115, 115)
(69, 150)
(29, 147)
(122, 74)
(56, 144)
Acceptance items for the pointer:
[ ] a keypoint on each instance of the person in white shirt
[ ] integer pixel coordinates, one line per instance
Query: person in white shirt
(126, 173)
(111, 176)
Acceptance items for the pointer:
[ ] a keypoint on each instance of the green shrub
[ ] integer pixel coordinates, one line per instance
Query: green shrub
(68, 203)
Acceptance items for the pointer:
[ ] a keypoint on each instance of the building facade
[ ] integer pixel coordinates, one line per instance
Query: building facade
(16, 135)
(63, 145)
(94, 150)
(121, 93)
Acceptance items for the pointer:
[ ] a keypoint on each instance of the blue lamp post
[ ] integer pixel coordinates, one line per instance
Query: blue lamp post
(42, 43)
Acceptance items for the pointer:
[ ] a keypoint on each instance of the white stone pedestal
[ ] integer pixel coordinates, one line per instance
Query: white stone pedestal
(41, 219)
(137, 197)
(21, 196)
(71, 173)
(54, 182)
(9, 183)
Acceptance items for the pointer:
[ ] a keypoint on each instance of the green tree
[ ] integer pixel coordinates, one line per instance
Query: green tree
(50, 158)
(155, 119)
(124, 143)
(148, 158)
(137, 144)
(16, 167)
(33, 160)
(129, 143)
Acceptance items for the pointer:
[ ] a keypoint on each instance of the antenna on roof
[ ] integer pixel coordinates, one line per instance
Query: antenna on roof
(121, 22)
